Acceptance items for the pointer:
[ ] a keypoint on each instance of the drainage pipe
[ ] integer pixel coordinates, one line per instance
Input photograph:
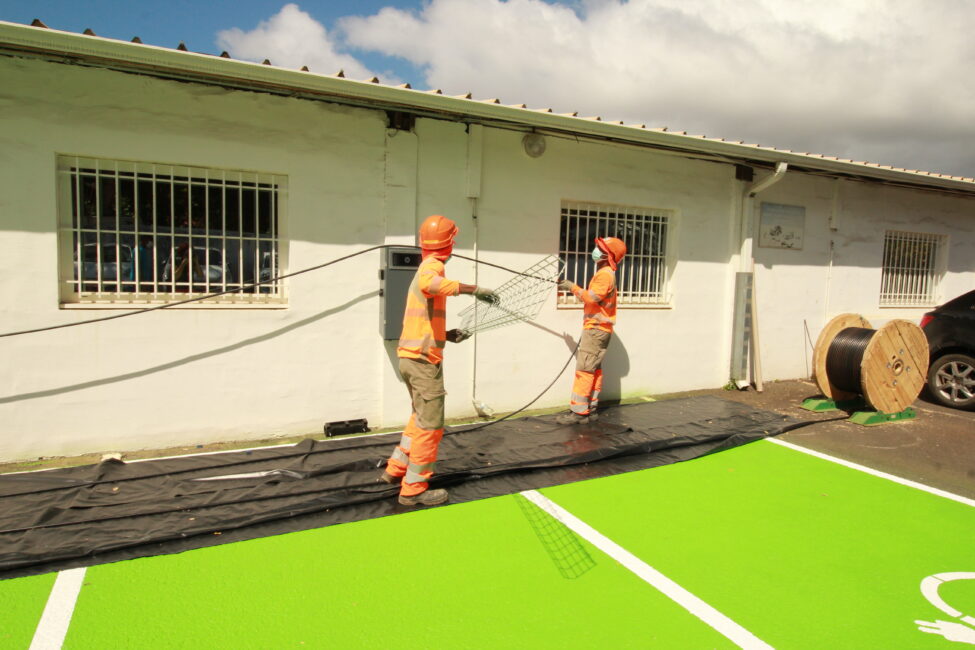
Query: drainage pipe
(747, 264)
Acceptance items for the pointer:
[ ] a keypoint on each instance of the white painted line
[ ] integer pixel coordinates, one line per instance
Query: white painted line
(734, 632)
(53, 625)
(877, 473)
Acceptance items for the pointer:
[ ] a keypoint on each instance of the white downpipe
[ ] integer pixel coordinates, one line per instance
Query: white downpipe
(748, 260)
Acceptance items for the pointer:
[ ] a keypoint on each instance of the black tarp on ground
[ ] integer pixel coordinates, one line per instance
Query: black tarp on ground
(112, 511)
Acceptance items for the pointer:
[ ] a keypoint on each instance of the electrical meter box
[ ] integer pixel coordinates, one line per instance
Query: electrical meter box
(396, 272)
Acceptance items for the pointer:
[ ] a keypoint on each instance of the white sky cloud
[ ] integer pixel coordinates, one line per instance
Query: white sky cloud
(291, 39)
(882, 80)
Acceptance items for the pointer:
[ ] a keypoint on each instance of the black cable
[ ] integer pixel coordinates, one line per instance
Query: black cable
(845, 356)
(285, 456)
(276, 458)
(197, 299)
(538, 397)
(244, 288)
(504, 268)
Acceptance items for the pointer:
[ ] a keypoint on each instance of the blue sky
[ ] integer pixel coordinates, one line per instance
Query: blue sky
(196, 23)
(884, 81)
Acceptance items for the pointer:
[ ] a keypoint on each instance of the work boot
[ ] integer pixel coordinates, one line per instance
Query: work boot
(425, 498)
(593, 416)
(572, 418)
(389, 478)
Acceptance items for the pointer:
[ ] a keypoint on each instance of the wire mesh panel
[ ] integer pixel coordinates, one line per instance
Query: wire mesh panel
(519, 299)
(913, 266)
(146, 232)
(643, 277)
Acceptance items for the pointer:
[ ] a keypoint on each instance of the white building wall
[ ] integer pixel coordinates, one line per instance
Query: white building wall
(189, 375)
(186, 376)
(839, 267)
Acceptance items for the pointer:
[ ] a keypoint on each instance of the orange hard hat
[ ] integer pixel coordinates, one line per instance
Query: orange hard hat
(437, 232)
(614, 249)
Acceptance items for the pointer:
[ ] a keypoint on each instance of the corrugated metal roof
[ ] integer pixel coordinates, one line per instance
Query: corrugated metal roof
(150, 59)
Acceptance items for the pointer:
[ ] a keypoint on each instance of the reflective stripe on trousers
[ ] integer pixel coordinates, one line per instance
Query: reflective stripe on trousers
(415, 460)
(582, 389)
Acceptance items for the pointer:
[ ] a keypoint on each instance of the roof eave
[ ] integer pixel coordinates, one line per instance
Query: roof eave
(204, 68)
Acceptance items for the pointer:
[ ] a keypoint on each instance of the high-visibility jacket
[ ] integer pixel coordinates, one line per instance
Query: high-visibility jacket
(599, 300)
(425, 319)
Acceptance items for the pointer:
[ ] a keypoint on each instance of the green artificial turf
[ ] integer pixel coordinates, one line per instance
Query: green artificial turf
(22, 602)
(802, 552)
(496, 573)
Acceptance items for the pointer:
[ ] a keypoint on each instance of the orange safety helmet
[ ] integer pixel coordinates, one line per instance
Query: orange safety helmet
(614, 249)
(437, 232)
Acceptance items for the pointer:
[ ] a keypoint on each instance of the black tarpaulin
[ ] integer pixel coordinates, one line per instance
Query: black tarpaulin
(111, 511)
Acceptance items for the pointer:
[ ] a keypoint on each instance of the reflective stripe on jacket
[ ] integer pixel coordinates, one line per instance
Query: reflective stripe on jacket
(599, 300)
(425, 319)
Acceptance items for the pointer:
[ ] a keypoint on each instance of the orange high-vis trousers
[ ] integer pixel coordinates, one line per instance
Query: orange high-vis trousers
(585, 391)
(415, 456)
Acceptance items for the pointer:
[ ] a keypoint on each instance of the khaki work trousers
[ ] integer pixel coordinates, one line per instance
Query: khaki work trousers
(415, 456)
(589, 371)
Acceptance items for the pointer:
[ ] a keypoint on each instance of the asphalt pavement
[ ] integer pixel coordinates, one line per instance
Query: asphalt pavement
(937, 448)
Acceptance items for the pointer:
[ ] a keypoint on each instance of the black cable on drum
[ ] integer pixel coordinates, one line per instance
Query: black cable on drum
(845, 356)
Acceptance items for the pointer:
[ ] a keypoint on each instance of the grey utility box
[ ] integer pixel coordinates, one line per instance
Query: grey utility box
(396, 272)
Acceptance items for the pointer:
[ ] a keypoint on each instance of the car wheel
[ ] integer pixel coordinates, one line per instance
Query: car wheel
(951, 380)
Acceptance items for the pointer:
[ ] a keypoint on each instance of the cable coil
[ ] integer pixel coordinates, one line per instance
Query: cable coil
(845, 356)
(887, 367)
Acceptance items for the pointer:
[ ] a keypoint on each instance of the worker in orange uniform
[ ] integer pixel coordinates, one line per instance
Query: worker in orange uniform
(420, 355)
(599, 317)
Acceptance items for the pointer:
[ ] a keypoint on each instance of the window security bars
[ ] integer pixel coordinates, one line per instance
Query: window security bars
(643, 277)
(151, 233)
(912, 270)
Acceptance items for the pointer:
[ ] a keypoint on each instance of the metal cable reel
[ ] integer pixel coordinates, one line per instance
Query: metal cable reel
(886, 367)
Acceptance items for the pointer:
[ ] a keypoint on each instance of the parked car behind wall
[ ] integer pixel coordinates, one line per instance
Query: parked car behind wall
(950, 330)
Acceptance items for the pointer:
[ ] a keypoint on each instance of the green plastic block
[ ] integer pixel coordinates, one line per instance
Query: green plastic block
(820, 404)
(873, 418)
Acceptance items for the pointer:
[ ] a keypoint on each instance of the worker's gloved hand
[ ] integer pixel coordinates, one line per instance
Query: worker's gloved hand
(485, 294)
(458, 335)
(565, 285)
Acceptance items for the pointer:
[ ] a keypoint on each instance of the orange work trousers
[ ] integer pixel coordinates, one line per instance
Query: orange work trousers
(415, 456)
(589, 371)
(585, 391)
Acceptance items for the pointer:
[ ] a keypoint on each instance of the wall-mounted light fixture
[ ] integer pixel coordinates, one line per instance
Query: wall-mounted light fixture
(534, 144)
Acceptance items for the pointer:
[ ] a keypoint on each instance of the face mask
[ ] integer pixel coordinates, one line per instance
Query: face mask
(597, 255)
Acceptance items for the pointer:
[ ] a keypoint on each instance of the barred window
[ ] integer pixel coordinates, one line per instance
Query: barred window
(913, 267)
(643, 278)
(133, 232)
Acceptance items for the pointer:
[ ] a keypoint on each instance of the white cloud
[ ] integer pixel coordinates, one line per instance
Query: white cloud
(882, 80)
(888, 78)
(291, 39)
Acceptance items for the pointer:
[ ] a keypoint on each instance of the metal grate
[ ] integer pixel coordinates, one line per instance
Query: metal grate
(913, 267)
(643, 277)
(519, 299)
(146, 232)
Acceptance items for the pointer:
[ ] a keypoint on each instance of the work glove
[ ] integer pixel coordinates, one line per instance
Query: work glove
(565, 285)
(485, 294)
(458, 335)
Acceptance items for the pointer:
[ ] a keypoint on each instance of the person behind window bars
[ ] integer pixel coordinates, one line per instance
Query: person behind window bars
(420, 355)
(599, 317)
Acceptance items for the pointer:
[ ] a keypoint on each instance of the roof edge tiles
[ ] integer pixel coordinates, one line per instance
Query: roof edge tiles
(204, 68)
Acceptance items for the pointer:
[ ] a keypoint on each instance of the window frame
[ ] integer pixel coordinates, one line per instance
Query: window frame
(665, 219)
(195, 233)
(929, 280)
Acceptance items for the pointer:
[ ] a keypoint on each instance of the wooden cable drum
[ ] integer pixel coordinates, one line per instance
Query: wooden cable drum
(887, 366)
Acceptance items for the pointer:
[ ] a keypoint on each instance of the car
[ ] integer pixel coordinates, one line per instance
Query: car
(950, 330)
(215, 272)
(110, 268)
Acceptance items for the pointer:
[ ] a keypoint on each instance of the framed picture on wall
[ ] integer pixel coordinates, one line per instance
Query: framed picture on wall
(782, 226)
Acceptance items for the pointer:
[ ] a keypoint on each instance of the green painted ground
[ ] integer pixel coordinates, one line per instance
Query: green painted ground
(801, 552)
(474, 575)
(21, 605)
